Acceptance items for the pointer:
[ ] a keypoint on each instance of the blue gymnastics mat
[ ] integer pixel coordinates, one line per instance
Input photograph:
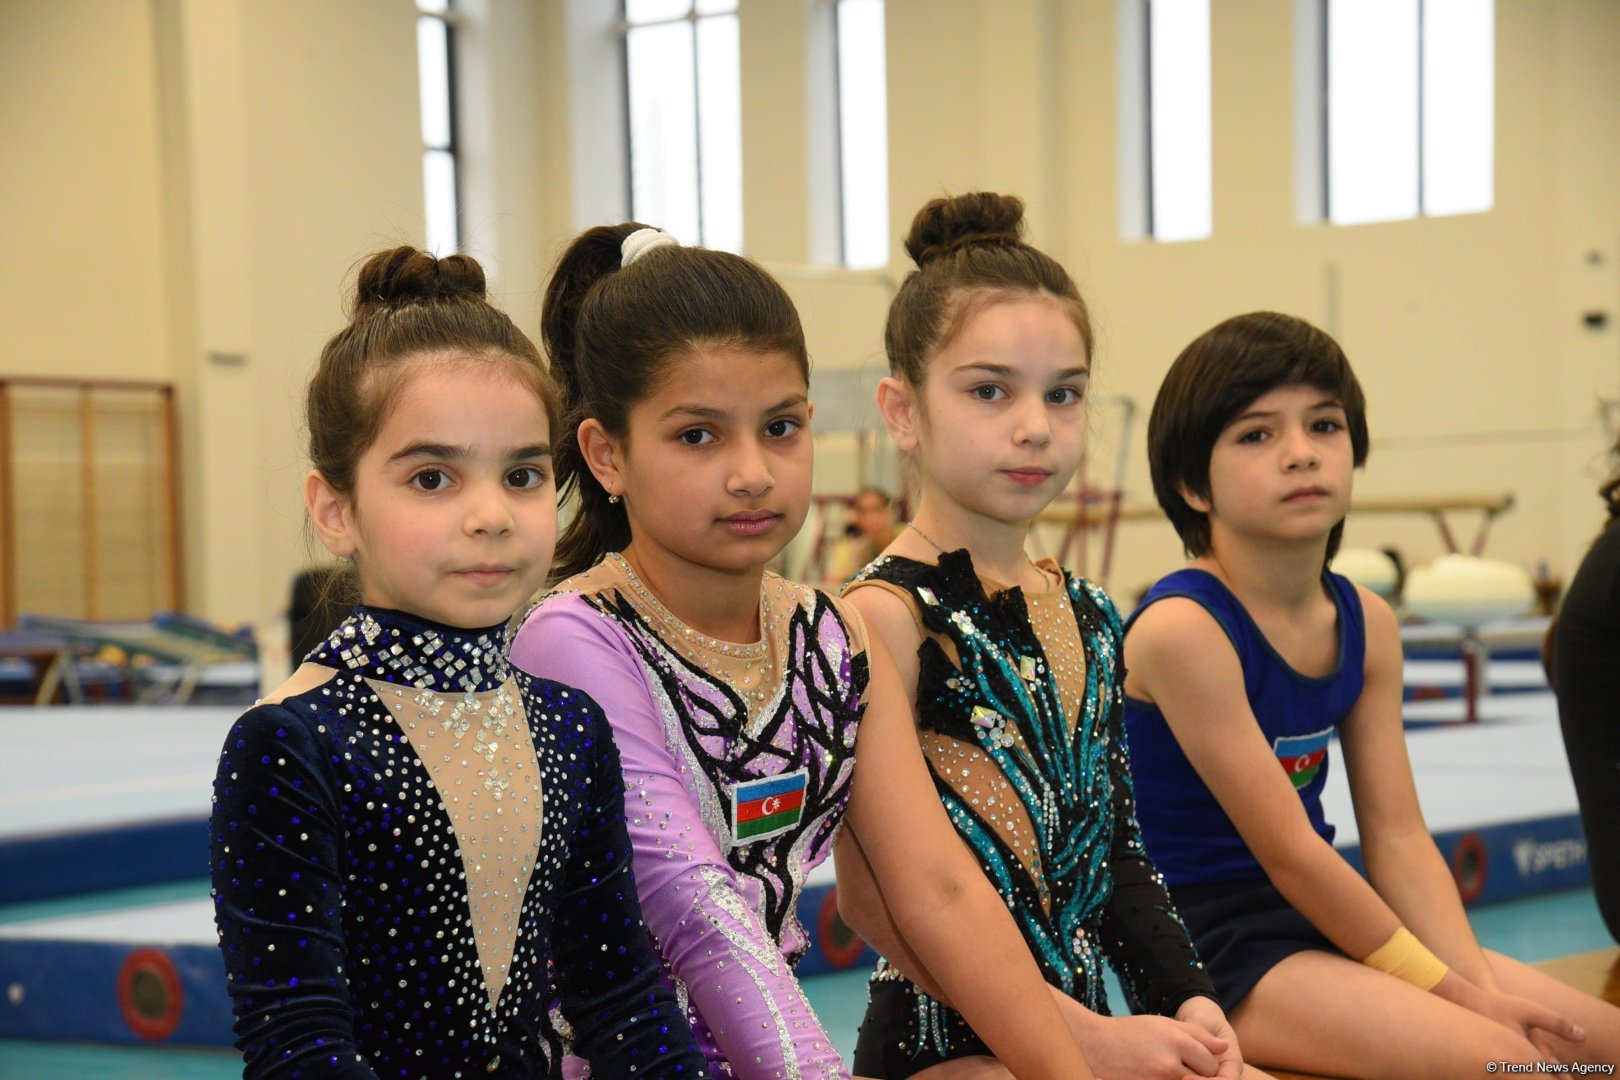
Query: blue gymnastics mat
(106, 930)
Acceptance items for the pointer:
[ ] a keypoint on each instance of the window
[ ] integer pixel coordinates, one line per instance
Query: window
(1165, 148)
(863, 133)
(685, 102)
(435, 54)
(1410, 99)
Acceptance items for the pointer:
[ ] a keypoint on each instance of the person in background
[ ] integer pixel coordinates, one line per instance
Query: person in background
(1584, 669)
(320, 602)
(869, 528)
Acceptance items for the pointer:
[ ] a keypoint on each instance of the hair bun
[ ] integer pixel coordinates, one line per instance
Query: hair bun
(407, 275)
(958, 221)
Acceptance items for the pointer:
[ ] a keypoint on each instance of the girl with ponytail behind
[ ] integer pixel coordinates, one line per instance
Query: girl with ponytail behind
(1013, 669)
(741, 702)
(417, 850)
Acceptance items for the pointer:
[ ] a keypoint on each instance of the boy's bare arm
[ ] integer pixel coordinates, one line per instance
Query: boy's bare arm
(1177, 656)
(1185, 662)
(1402, 861)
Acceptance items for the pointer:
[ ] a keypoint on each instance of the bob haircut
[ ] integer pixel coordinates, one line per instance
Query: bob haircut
(1214, 379)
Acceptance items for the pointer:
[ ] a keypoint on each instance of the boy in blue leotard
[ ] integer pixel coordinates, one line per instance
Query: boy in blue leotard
(1240, 668)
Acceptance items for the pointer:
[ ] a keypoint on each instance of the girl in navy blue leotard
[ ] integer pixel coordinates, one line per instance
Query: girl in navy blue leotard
(419, 855)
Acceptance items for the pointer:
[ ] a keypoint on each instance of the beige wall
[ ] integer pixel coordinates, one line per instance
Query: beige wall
(199, 177)
(186, 177)
(82, 283)
(1465, 331)
(1466, 339)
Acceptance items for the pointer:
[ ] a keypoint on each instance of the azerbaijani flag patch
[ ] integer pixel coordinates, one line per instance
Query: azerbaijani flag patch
(767, 806)
(1301, 756)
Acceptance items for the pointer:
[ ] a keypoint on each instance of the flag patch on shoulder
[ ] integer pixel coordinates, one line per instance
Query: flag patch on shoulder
(769, 805)
(1301, 756)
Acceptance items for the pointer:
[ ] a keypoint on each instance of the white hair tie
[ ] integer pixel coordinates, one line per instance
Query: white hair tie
(642, 241)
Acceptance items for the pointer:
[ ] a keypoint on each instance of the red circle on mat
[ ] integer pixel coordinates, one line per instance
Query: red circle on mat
(840, 944)
(149, 995)
(1470, 866)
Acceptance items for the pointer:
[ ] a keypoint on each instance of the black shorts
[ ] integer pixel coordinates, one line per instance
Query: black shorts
(1243, 929)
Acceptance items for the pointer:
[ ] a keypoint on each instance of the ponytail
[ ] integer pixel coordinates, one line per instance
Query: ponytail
(598, 526)
(615, 316)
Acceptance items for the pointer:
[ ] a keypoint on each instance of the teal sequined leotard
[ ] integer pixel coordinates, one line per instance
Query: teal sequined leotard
(1019, 710)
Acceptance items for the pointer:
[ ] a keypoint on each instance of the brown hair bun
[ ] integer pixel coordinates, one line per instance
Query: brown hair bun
(949, 224)
(406, 275)
(407, 304)
(969, 249)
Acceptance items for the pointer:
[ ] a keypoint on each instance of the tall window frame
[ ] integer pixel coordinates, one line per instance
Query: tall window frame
(1166, 125)
(1397, 109)
(441, 158)
(683, 118)
(861, 82)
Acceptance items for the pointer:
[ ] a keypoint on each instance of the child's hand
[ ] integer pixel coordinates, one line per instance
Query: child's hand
(1150, 1047)
(1204, 1013)
(1535, 1022)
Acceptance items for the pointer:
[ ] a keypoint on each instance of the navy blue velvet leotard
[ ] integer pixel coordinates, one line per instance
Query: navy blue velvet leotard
(416, 859)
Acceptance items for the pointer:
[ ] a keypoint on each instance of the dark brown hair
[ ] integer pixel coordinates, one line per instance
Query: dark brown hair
(407, 305)
(969, 250)
(611, 331)
(1214, 379)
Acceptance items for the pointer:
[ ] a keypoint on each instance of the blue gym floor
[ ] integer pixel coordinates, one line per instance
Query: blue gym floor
(1497, 791)
(1536, 928)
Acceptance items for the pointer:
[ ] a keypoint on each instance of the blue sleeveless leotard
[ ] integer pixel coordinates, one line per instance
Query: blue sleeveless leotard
(1188, 835)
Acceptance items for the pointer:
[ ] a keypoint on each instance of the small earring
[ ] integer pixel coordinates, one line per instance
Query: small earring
(613, 498)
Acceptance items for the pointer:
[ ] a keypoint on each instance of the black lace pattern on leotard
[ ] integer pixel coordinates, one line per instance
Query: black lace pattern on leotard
(808, 721)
